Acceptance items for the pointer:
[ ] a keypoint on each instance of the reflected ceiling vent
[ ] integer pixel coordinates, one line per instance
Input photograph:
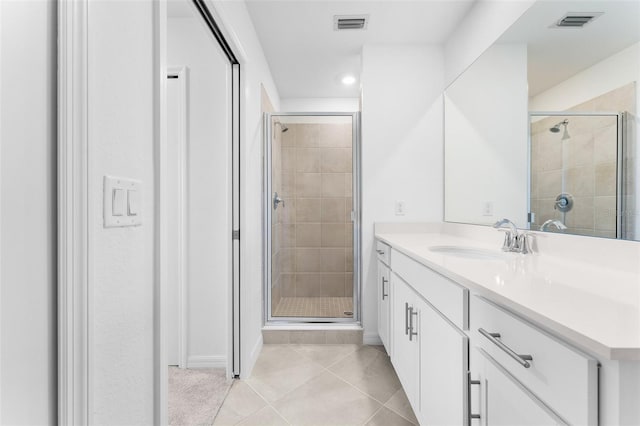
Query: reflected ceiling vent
(350, 22)
(576, 19)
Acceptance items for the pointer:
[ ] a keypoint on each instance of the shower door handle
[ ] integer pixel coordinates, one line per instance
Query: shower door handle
(277, 200)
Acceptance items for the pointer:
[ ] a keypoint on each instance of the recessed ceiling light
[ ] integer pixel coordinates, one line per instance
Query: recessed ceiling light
(348, 80)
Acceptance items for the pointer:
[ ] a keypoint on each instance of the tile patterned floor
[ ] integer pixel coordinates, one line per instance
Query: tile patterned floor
(317, 307)
(319, 385)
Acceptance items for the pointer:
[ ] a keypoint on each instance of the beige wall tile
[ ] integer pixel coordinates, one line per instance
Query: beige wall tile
(287, 257)
(307, 136)
(579, 181)
(349, 235)
(308, 285)
(582, 214)
(289, 137)
(336, 160)
(308, 235)
(308, 184)
(333, 185)
(288, 235)
(333, 285)
(605, 213)
(579, 150)
(605, 145)
(348, 207)
(549, 184)
(605, 179)
(308, 210)
(309, 260)
(288, 285)
(348, 284)
(333, 210)
(288, 159)
(348, 185)
(288, 212)
(308, 160)
(332, 260)
(348, 252)
(333, 235)
(288, 184)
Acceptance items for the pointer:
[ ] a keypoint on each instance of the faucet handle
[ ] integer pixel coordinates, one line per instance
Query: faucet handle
(509, 239)
(523, 242)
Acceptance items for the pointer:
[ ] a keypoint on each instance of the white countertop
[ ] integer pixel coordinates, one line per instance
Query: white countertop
(594, 307)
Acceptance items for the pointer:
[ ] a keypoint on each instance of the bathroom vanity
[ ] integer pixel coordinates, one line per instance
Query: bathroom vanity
(482, 337)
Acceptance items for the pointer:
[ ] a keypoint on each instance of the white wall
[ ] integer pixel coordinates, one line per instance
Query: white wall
(238, 28)
(401, 148)
(208, 189)
(320, 104)
(28, 362)
(121, 142)
(483, 25)
(486, 152)
(609, 74)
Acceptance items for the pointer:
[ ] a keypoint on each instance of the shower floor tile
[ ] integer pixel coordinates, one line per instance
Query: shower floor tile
(314, 307)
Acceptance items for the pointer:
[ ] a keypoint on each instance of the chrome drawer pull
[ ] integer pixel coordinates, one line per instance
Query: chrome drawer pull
(471, 382)
(384, 281)
(380, 252)
(493, 337)
(411, 332)
(406, 318)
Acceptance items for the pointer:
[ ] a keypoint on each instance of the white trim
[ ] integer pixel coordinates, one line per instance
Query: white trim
(336, 326)
(371, 339)
(183, 80)
(253, 357)
(161, 379)
(74, 398)
(207, 361)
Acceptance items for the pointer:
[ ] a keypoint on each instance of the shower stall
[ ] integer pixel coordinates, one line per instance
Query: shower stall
(312, 217)
(578, 173)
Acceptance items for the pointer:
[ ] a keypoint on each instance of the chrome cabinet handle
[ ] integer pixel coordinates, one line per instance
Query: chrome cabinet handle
(384, 281)
(380, 252)
(523, 360)
(469, 383)
(411, 332)
(406, 319)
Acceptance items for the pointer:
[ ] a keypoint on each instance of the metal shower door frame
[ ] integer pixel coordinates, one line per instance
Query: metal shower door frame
(356, 220)
(621, 146)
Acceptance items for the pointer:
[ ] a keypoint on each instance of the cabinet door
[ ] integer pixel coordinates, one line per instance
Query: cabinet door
(507, 402)
(443, 370)
(405, 352)
(384, 305)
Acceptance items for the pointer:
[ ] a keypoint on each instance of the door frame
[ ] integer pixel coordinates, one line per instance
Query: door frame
(75, 217)
(356, 219)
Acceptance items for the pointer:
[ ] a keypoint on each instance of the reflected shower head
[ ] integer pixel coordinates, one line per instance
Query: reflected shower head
(283, 127)
(556, 129)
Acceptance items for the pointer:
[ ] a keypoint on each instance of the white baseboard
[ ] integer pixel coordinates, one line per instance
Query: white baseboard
(207, 361)
(247, 368)
(371, 339)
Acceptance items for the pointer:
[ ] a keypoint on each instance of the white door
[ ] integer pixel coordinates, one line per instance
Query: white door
(176, 143)
(507, 402)
(443, 370)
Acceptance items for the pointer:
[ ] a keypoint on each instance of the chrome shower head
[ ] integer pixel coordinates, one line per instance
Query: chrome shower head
(556, 129)
(283, 127)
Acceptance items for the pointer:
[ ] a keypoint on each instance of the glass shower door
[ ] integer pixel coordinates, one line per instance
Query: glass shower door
(310, 201)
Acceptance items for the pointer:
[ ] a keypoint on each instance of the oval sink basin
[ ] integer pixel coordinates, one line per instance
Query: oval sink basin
(468, 252)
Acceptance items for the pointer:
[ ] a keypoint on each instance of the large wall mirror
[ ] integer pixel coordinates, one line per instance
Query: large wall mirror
(541, 129)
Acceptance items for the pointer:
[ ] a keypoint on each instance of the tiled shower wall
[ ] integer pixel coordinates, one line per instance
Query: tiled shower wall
(276, 217)
(315, 233)
(585, 165)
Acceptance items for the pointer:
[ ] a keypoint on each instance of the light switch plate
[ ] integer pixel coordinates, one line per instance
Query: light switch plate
(117, 189)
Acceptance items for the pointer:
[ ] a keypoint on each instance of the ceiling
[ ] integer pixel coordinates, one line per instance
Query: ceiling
(555, 54)
(308, 58)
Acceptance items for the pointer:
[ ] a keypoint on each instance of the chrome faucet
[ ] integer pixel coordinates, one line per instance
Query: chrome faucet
(514, 241)
(553, 222)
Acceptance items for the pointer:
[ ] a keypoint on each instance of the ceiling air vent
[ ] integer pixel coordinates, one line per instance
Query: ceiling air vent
(576, 20)
(350, 22)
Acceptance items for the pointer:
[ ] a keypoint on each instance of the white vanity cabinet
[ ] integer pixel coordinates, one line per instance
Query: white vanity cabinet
(429, 352)
(384, 294)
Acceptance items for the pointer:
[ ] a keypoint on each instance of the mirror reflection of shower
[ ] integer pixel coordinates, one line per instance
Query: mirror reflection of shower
(556, 129)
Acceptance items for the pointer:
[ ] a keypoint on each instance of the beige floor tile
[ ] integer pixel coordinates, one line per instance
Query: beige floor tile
(386, 417)
(280, 369)
(400, 404)
(369, 370)
(265, 417)
(326, 400)
(326, 355)
(241, 402)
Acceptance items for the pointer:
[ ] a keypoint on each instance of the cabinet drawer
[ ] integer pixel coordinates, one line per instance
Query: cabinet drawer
(451, 299)
(559, 375)
(384, 252)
